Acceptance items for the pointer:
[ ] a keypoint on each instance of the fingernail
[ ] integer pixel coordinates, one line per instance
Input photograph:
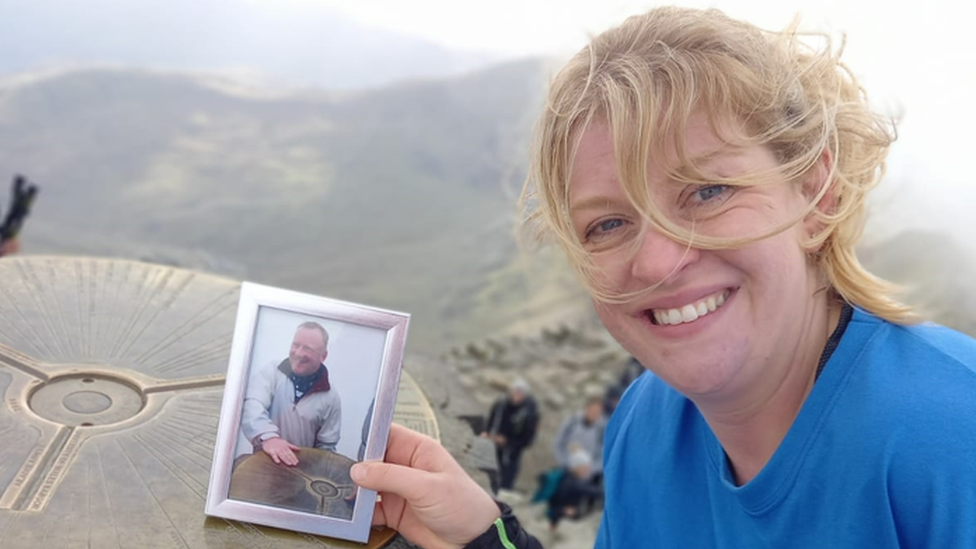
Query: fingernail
(358, 472)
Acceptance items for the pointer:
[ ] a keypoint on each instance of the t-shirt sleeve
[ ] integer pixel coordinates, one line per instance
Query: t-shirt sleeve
(932, 477)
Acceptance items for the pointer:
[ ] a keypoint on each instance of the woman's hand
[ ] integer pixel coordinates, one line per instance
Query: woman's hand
(426, 495)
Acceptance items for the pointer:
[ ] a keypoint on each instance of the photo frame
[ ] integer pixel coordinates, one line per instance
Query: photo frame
(323, 373)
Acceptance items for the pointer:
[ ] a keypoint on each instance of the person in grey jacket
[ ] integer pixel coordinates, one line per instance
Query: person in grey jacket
(583, 431)
(292, 405)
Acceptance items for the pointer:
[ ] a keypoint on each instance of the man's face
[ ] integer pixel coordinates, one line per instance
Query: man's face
(593, 410)
(516, 396)
(582, 471)
(307, 351)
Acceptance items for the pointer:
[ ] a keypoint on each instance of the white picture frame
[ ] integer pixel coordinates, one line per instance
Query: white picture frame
(364, 357)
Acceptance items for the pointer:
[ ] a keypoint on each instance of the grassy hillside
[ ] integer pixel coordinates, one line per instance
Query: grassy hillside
(400, 197)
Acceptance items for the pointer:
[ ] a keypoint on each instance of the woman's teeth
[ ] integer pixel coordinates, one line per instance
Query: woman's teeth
(692, 311)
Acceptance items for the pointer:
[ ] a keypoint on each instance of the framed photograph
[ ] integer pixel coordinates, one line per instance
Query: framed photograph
(311, 388)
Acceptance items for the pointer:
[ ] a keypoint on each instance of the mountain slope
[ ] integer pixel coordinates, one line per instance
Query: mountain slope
(399, 197)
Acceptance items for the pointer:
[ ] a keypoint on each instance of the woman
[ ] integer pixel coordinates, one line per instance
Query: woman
(708, 181)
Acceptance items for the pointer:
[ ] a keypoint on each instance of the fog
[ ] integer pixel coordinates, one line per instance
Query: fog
(916, 60)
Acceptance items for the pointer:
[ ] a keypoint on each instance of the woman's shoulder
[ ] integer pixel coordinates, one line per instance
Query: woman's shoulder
(648, 391)
(650, 403)
(927, 341)
(916, 382)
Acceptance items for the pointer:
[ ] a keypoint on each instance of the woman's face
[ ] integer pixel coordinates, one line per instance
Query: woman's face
(717, 322)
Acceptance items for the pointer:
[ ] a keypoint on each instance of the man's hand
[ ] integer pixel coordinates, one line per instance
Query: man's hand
(281, 451)
(427, 496)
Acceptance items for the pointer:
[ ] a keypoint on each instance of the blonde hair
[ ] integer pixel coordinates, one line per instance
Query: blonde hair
(648, 76)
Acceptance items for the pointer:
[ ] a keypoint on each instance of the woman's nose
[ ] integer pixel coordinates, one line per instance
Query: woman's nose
(658, 257)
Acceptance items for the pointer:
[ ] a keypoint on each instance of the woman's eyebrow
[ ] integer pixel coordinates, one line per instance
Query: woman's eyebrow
(591, 203)
(705, 160)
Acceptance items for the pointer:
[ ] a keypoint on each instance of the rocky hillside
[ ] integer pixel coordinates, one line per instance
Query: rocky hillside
(564, 365)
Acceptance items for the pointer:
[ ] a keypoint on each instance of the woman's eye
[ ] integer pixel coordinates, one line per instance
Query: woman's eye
(603, 228)
(708, 192)
(707, 196)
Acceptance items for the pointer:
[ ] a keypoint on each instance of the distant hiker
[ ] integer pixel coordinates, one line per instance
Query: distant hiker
(631, 371)
(291, 404)
(611, 399)
(512, 425)
(22, 194)
(583, 432)
(568, 490)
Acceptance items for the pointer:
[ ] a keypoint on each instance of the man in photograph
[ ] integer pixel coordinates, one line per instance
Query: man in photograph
(291, 405)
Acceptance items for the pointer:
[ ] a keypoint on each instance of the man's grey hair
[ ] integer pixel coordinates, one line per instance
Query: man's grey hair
(521, 385)
(310, 325)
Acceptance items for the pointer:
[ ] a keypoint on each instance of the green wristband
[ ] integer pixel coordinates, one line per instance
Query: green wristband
(502, 534)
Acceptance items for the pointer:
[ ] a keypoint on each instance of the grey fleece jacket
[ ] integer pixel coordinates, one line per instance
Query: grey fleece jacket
(269, 409)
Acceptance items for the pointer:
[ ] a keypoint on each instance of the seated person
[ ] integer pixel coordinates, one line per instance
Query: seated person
(583, 431)
(575, 492)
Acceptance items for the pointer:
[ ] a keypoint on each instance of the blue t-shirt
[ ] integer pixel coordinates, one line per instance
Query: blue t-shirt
(882, 454)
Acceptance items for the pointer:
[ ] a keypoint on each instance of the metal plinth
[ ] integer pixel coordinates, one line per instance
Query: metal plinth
(112, 377)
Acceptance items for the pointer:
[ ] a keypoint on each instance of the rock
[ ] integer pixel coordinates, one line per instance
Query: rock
(559, 335)
(495, 379)
(482, 454)
(571, 363)
(615, 359)
(608, 377)
(554, 400)
(465, 364)
(512, 497)
(540, 377)
(583, 377)
(474, 351)
(496, 348)
(468, 381)
(484, 400)
(593, 390)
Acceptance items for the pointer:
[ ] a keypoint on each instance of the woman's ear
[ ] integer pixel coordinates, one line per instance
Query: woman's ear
(818, 186)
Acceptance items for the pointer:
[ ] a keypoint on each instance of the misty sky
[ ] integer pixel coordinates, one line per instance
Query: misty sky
(914, 58)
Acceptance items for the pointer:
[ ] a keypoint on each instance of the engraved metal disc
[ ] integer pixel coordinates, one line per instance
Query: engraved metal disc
(112, 375)
(319, 484)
